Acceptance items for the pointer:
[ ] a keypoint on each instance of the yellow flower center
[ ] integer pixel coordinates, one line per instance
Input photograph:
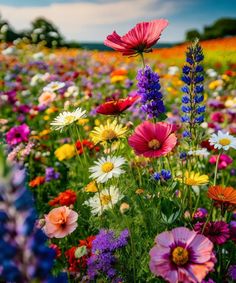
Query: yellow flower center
(154, 144)
(221, 197)
(224, 141)
(69, 119)
(107, 167)
(105, 199)
(191, 182)
(108, 135)
(180, 256)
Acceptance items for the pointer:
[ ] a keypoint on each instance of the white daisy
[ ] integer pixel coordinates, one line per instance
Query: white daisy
(106, 168)
(222, 141)
(104, 200)
(67, 118)
(53, 86)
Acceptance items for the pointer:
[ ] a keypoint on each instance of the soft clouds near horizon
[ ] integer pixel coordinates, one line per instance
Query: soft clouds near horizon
(93, 20)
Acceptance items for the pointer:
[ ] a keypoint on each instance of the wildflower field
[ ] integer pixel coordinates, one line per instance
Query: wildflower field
(118, 166)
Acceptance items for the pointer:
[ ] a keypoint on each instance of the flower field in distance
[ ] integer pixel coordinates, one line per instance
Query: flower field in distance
(117, 168)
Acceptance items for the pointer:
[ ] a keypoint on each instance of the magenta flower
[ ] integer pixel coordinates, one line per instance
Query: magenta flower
(224, 161)
(182, 255)
(218, 231)
(139, 39)
(18, 134)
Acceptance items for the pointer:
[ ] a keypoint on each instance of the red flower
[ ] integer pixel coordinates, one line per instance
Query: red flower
(76, 264)
(56, 249)
(67, 198)
(139, 39)
(85, 144)
(115, 107)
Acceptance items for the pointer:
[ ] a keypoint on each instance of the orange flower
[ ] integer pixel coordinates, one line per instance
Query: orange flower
(67, 198)
(60, 222)
(37, 181)
(222, 195)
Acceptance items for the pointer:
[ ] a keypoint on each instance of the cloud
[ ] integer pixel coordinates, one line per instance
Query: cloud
(91, 20)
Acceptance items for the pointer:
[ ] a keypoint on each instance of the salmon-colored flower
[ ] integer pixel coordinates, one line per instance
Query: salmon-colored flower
(153, 140)
(46, 98)
(60, 222)
(139, 39)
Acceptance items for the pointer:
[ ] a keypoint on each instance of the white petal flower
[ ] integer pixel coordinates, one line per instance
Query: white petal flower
(107, 168)
(53, 86)
(104, 200)
(223, 141)
(67, 118)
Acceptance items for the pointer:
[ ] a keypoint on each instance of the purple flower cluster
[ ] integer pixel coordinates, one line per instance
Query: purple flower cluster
(24, 255)
(103, 257)
(193, 89)
(51, 174)
(149, 90)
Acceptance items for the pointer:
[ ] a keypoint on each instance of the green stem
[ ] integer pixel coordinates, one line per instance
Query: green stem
(142, 57)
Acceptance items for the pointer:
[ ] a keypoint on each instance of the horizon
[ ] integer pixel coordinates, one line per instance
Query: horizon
(90, 21)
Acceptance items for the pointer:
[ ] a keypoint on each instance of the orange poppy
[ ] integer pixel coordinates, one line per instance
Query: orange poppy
(222, 194)
(37, 181)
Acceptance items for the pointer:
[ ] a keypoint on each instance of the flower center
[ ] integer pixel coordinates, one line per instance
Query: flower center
(221, 197)
(191, 182)
(109, 135)
(224, 141)
(69, 119)
(105, 199)
(154, 144)
(180, 256)
(107, 167)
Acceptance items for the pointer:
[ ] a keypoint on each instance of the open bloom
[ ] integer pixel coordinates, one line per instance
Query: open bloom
(46, 98)
(66, 151)
(222, 195)
(181, 255)
(153, 140)
(194, 179)
(104, 200)
(109, 132)
(18, 134)
(139, 39)
(60, 222)
(116, 107)
(53, 86)
(223, 141)
(106, 168)
(66, 118)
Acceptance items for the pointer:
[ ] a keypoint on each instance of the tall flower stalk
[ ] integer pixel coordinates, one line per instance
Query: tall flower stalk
(24, 254)
(192, 106)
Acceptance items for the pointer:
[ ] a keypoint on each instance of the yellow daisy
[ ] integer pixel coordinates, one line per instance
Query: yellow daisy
(194, 179)
(108, 133)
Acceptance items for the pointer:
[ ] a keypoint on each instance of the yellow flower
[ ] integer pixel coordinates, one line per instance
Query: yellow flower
(66, 151)
(51, 110)
(83, 121)
(108, 132)
(116, 79)
(215, 84)
(91, 187)
(194, 179)
(44, 132)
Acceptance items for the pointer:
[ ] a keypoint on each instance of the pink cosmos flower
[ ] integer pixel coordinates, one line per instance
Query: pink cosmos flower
(46, 98)
(60, 222)
(139, 39)
(18, 134)
(224, 161)
(182, 255)
(153, 140)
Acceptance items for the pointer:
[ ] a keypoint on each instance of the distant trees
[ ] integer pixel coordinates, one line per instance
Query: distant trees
(220, 28)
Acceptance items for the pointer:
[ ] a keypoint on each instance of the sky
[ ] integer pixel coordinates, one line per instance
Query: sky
(93, 20)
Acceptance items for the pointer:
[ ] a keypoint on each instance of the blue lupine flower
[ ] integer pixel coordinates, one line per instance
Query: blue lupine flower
(193, 90)
(149, 90)
(24, 257)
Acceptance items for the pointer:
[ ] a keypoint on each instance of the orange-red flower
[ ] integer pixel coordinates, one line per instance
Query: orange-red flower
(116, 107)
(222, 195)
(37, 181)
(67, 198)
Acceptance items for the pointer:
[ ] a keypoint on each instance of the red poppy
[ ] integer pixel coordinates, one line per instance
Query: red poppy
(139, 39)
(116, 107)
